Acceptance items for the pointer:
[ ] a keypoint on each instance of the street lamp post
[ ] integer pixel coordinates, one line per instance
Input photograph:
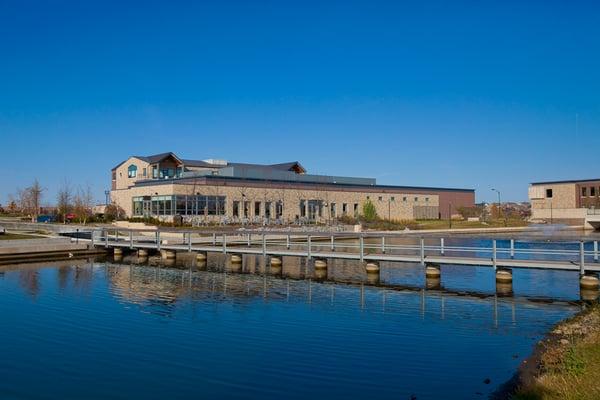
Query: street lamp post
(500, 206)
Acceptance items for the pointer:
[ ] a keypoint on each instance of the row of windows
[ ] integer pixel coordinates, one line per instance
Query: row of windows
(242, 209)
(216, 205)
(179, 205)
(156, 172)
(589, 191)
(404, 199)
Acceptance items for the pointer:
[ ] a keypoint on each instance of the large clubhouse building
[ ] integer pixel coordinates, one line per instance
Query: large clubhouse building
(165, 186)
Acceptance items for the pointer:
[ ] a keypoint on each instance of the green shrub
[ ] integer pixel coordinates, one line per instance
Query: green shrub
(369, 211)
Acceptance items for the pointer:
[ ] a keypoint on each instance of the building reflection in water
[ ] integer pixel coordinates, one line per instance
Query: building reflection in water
(159, 288)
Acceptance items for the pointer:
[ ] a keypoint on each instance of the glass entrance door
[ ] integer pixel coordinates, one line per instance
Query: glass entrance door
(147, 208)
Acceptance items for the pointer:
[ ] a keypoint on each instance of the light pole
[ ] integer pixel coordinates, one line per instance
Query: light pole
(500, 206)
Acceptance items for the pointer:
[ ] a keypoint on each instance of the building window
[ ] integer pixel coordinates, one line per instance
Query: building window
(246, 209)
(404, 199)
(302, 208)
(279, 209)
(132, 171)
(356, 209)
(549, 193)
(392, 198)
(257, 208)
(332, 210)
(426, 199)
(154, 172)
(236, 209)
(416, 199)
(144, 172)
(268, 210)
(380, 198)
(345, 208)
(592, 191)
(167, 173)
(584, 191)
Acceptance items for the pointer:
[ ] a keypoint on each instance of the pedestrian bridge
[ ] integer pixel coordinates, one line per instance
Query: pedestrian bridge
(362, 247)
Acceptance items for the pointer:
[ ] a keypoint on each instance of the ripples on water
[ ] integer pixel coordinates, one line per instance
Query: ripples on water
(111, 331)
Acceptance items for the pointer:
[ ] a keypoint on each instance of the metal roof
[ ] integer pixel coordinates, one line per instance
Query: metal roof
(150, 182)
(567, 181)
(288, 166)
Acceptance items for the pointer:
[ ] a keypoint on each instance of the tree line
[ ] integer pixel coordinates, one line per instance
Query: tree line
(77, 202)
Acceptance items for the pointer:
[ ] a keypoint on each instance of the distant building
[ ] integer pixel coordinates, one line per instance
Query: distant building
(165, 186)
(575, 202)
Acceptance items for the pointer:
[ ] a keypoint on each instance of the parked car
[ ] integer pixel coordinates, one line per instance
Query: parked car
(46, 218)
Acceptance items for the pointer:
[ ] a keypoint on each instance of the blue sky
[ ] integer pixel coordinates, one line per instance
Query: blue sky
(460, 94)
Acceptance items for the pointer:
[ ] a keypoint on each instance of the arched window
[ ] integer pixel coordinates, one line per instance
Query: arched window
(132, 171)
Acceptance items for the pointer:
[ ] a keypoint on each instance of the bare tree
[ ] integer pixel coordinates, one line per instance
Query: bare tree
(29, 200)
(64, 200)
(83, 202)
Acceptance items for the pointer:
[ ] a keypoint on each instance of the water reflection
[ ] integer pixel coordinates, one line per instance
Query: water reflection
(237, 282)
(200, 322)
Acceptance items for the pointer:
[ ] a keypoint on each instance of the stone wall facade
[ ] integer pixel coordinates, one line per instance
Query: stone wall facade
(395, 204)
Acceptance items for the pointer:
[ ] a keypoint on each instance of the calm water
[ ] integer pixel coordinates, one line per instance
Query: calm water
(98, 330)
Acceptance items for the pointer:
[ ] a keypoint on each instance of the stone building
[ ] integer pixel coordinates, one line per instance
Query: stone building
(575, 202)
(165, 186)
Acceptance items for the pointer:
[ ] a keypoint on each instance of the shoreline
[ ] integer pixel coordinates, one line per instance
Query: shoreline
(556, 358)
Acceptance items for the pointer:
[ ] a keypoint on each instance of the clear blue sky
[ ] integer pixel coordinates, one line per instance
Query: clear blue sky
(460, 94)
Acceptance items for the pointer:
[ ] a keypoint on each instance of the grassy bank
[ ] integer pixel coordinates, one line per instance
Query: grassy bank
(385, 225)
(15, 236)
(566, 365)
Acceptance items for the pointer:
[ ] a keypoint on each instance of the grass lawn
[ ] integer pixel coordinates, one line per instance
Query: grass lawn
(496, 223)
(15, 236)
(570, 365)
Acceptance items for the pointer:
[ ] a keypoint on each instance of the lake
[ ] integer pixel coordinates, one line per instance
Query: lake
(118, 330)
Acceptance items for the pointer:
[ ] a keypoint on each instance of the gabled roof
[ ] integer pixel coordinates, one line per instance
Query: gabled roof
(289, 166)
(152, 159)
(294, 166)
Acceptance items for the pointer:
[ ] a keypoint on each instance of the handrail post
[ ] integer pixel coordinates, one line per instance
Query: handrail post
(308, 247)
(189, 242)
(581, 258)
(264, 244)
(287, 243)
(595, 250)
(77, 236)
(383, 244)
(106, 238)
(332, 243)
(93, 232)
(116, 235)
(362, 248)
(214, 239)
(224, 243)
(131, 239)
(158, 240)
(494, 262)
(422, 252)
(249, 239)
(442, 250)
(512, 248)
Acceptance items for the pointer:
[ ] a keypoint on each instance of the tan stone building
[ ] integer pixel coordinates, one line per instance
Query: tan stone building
(574, 202)
(165, 186)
